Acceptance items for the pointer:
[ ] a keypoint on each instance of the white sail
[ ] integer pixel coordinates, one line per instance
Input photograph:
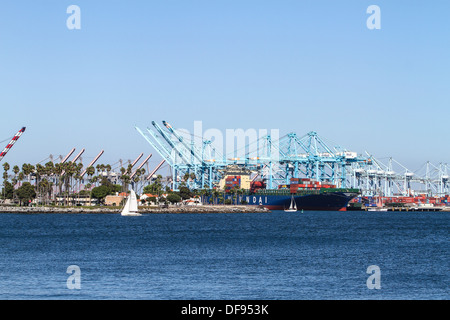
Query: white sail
(131, 207)
(126, 208)
(293, 206)
(133, 202)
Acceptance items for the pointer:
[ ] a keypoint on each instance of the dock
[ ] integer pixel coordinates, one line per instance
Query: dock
(414, 209)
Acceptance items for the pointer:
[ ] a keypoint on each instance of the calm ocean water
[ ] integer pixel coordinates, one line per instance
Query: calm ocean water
(278, 255)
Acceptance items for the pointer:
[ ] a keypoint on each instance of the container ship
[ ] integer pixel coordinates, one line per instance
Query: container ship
(307, 194)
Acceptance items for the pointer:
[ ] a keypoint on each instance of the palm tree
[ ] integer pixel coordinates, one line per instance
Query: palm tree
(57, 171)
(6, 166)
(122, 175)
(129, 168)
(40, 170)
(21, 177)
(32, 171)
(49, 172)
(19, 180)
(139, 175)
(126, 180)
(240, 191)
(43, 187)
(73, 171)
(78, 169)
(136, 180)
(90, 171)
(215, 194)
(94, 180)
(69, 169)
(158, 185)
(16, 170)
(203, 193)
(5, 176)
(27, 170)
(49, 166)
(88, 186)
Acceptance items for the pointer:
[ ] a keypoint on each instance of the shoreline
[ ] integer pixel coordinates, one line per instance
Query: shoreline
(145, 210)
(156, 210)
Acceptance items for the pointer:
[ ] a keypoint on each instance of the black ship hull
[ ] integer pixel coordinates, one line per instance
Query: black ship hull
(330, 201)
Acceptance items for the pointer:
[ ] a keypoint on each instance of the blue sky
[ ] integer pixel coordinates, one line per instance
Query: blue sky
(296, 66)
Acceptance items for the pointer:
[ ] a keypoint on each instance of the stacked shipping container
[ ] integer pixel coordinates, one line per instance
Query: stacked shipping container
(232, 182)
(304, 184)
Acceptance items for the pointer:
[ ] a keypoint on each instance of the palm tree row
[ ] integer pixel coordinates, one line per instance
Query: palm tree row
(62, 180)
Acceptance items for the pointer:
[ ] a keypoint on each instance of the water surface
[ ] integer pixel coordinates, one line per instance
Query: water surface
(278, 255)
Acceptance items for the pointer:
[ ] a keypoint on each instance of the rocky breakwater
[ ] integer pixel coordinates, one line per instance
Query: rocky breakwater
(143, 210)
(11, 209)
(207, 209)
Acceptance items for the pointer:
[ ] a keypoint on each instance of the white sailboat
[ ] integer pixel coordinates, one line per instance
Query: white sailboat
(292, 207)
(131, 207)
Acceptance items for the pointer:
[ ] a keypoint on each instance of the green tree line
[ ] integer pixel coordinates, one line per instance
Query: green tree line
(49, 182)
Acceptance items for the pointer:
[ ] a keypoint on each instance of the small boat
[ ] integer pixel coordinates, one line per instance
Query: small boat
(131, 207)
(292, 207)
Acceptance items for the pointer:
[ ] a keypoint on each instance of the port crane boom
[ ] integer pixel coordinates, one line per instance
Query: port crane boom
(11, 143)
(74, 159)
(67, 156)
(92, 163)
(156, 169)
(140, 166)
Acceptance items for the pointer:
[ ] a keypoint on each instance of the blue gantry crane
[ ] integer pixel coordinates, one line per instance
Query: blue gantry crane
(198, 163)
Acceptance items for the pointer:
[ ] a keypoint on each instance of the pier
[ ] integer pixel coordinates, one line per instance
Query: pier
(413, 209)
